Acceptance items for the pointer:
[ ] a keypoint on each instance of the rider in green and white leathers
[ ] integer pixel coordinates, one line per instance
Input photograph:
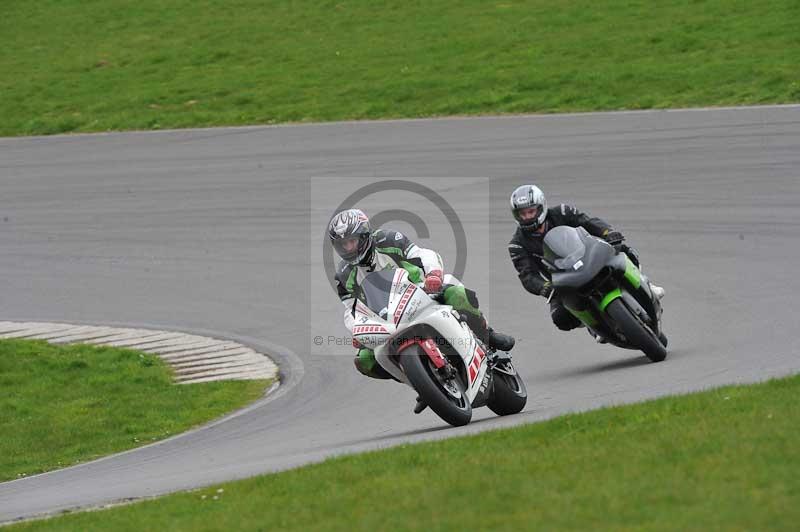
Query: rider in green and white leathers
(385, 249)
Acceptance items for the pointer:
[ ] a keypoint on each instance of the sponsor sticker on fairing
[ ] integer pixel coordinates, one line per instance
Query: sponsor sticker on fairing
(398, 312)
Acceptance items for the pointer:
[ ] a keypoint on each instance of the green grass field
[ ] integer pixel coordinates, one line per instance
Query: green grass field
(92, 65)
(66, 404)
(726, 459)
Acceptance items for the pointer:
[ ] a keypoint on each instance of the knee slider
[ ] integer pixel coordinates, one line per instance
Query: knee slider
(564, 320)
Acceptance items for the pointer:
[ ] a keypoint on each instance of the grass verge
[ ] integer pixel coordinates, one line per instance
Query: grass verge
(67, 404)
(725, 459)
(93, 65)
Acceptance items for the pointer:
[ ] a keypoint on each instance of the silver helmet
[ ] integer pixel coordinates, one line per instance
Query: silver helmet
(351, 235)
(529, 197)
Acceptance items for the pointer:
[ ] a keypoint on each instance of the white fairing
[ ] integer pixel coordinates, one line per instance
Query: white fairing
(408, 306)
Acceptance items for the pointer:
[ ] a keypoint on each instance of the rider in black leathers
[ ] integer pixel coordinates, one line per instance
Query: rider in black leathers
(534, 220)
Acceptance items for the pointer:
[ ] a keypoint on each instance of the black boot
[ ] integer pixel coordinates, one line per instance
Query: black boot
(487, 335)
(500, 341)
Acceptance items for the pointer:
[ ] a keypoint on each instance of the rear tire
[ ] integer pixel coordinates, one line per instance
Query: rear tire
(636, 332)
(509, 394)
(416, 365)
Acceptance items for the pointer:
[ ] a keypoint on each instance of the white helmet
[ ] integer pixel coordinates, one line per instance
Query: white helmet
(527, 197)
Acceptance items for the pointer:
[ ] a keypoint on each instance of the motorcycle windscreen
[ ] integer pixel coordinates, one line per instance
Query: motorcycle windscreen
(564, 247)
(375, 290)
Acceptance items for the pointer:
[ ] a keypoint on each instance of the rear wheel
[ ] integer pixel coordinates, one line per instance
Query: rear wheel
(636, 332)
(446, 397)
(509, 394)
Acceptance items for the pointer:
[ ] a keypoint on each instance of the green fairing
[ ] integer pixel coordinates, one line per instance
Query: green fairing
(611, 296)
(632, 273)
(584, 315)
(456, 297)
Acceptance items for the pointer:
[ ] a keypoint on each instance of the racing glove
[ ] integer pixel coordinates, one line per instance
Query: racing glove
(612, 237)
(433, 282)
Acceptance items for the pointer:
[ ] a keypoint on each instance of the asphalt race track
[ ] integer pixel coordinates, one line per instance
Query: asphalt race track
(208, 231)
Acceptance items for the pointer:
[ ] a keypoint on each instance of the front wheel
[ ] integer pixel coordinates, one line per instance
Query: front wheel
(509, 394)
(636, 332)
(445, 397)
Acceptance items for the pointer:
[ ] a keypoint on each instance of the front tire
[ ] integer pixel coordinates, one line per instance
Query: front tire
(452, 405)
(636, 332)
(509, 394)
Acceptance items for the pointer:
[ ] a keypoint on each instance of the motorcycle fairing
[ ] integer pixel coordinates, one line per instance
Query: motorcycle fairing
(409, 309)
(585, 257)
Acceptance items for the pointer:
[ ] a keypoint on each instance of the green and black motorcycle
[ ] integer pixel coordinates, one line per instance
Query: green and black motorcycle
(605, 290)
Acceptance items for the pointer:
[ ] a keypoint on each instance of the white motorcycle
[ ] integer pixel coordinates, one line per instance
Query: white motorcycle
(424, 344)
